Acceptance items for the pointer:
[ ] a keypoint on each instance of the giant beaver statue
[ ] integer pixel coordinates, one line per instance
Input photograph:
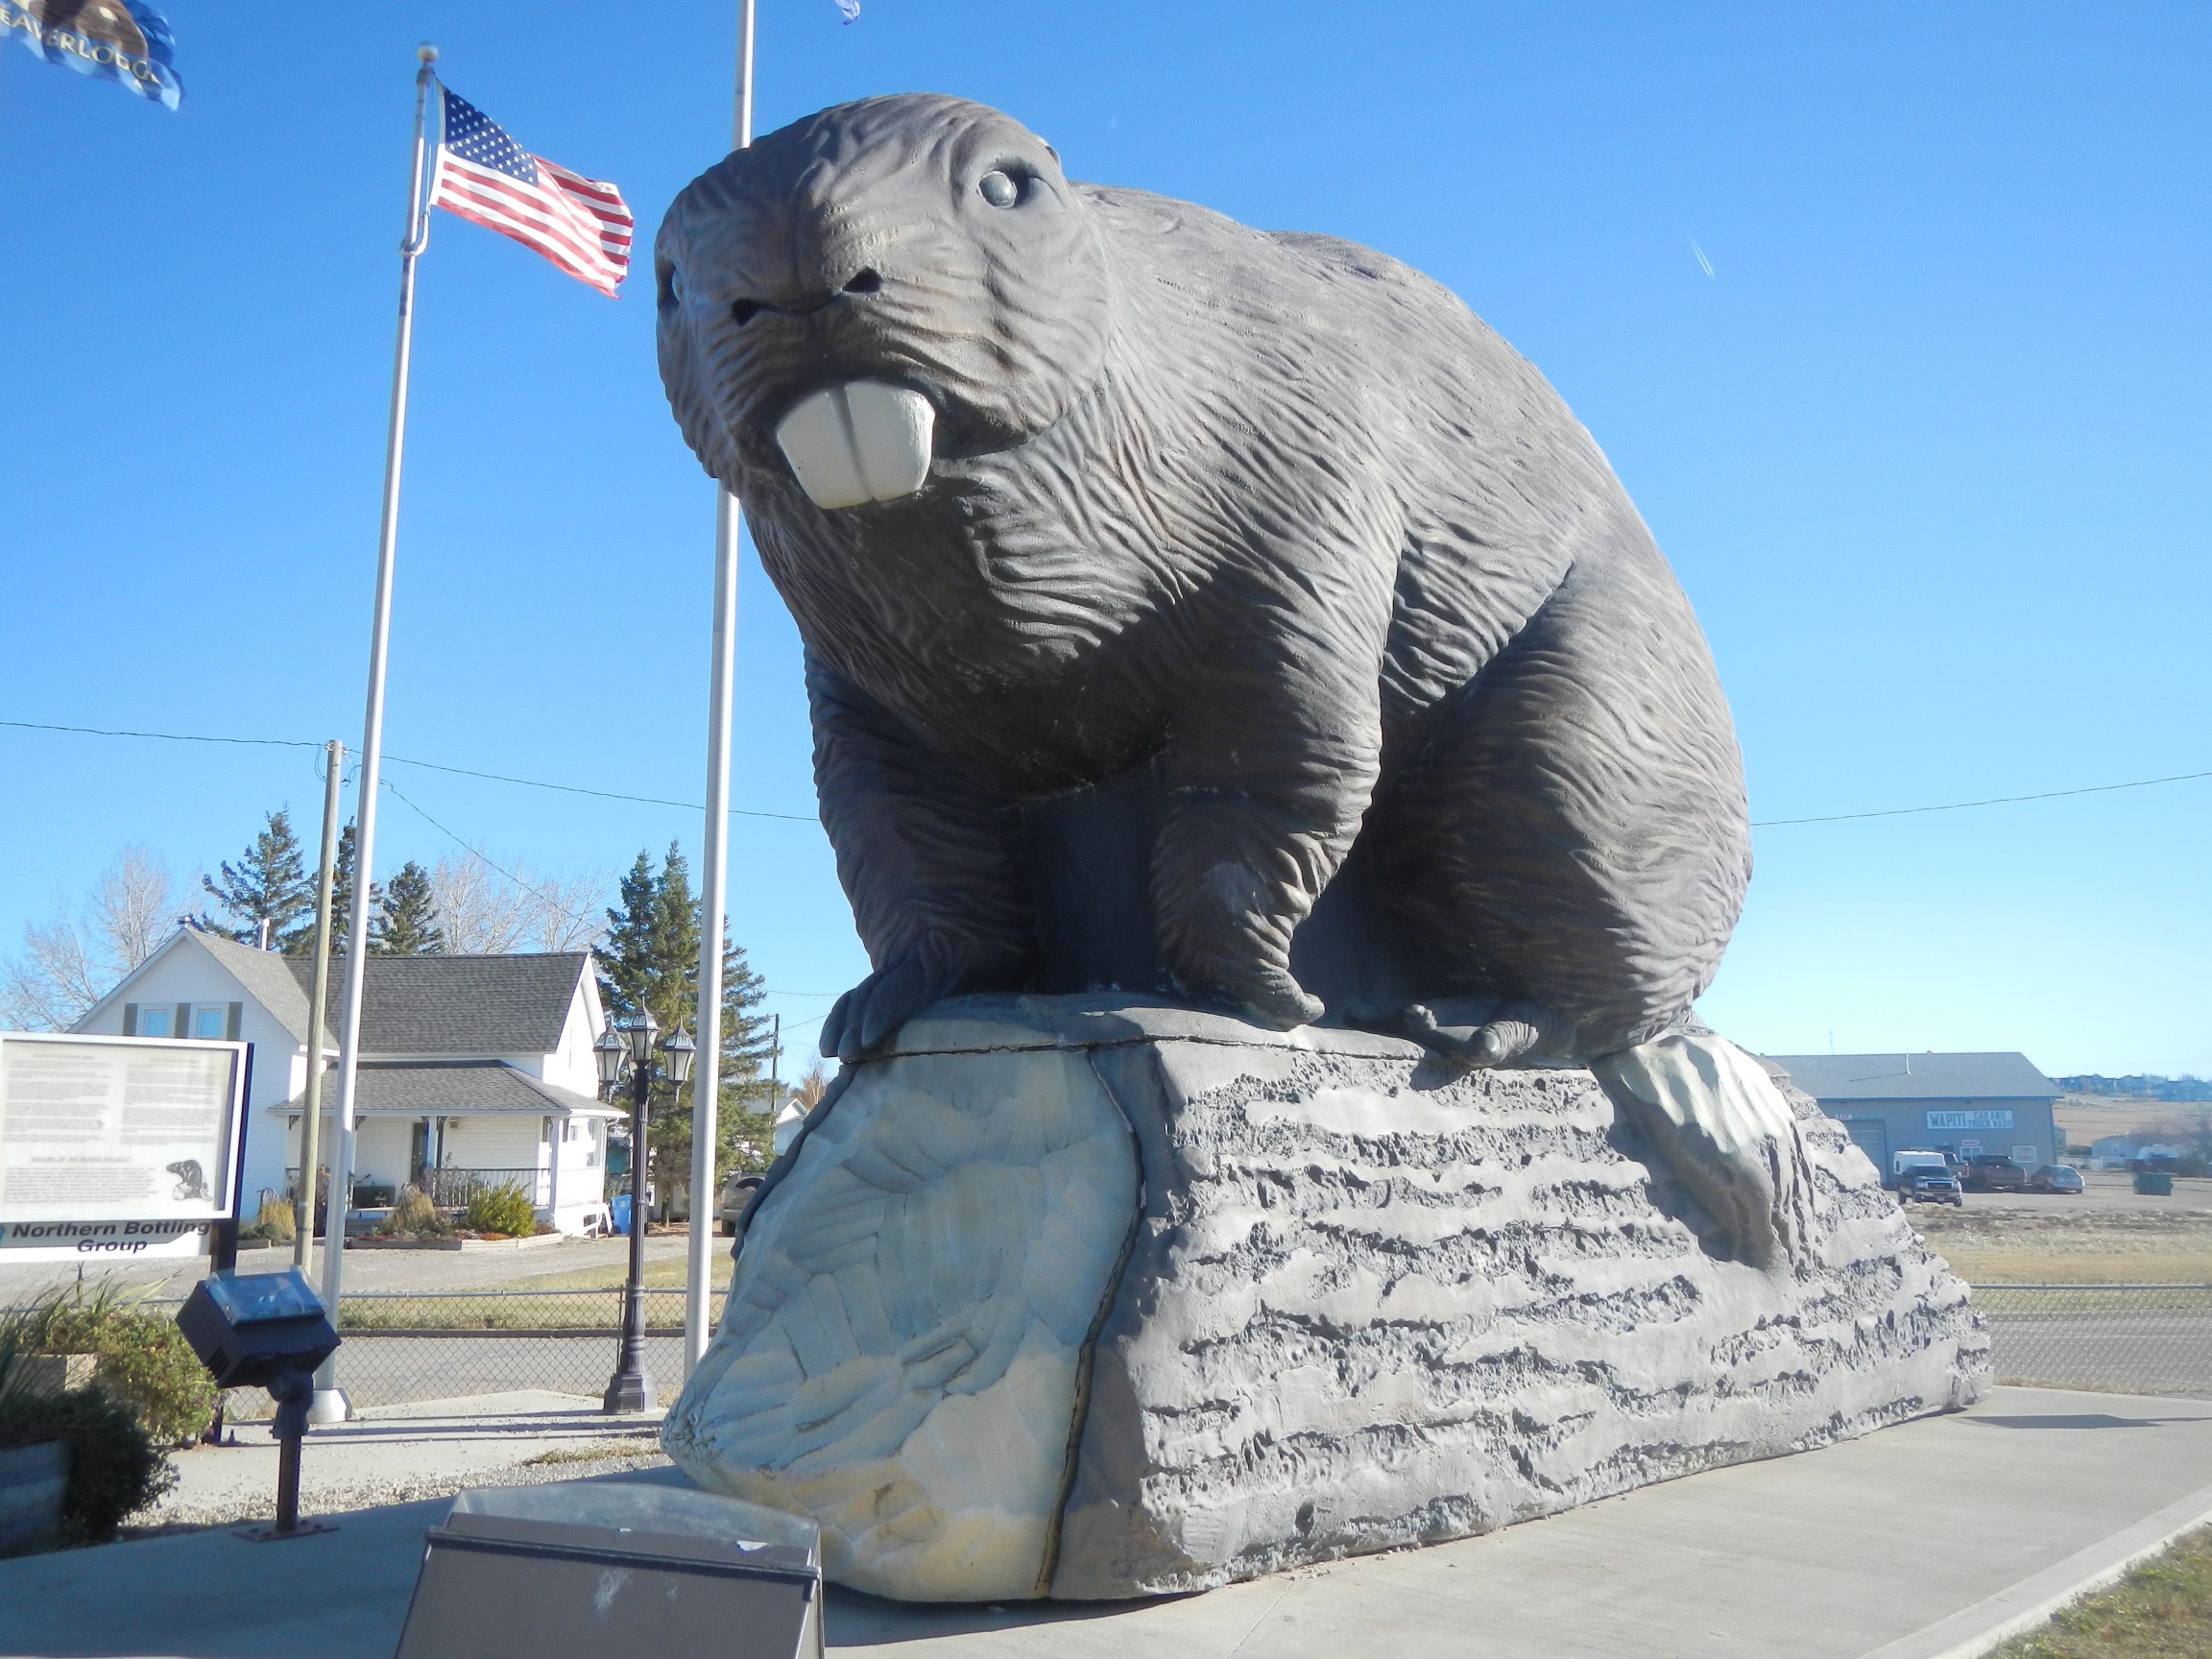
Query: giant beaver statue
(1151, 567)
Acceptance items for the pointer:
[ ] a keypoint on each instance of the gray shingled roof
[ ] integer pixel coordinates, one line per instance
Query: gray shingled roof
(1918, 1076)
(458, 1089)
(424, 1004)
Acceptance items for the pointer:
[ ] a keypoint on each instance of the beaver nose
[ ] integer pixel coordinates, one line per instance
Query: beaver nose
(866, 281)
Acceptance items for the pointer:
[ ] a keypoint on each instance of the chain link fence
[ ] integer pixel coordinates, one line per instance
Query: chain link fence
(2123, 1339)
(401, 1349)
(2126, 1338)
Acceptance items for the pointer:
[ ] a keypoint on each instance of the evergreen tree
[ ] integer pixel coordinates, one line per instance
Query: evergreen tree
(651, 961)
(269, 883)
(407, 917)
(301, 941)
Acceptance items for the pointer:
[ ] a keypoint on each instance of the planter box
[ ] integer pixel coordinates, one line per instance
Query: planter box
(55, 1373)
(33, 1480)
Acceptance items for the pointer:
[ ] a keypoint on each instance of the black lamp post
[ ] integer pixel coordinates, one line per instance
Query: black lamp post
(631, 1045)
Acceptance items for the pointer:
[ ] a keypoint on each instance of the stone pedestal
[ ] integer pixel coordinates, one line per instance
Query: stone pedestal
(1095, 1299)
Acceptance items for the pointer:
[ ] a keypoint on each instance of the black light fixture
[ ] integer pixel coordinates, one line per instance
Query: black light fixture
(639, 1031)
(677, 1052)
(609, 1054)
(631, 1388)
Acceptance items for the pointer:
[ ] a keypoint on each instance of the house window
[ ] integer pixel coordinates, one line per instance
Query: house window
(156, 1021)
(211, 1020)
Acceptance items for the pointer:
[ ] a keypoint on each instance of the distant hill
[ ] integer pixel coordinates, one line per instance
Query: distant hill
(2177, 1090)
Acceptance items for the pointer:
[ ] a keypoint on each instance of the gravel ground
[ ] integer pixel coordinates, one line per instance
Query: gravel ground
(338, 1498)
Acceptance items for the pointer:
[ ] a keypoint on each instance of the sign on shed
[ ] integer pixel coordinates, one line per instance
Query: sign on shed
(116, 1145)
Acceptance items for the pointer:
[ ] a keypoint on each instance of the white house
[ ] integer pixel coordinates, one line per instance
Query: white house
(474, 1069)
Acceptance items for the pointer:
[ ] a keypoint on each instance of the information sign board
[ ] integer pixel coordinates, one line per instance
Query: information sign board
(112, 1131)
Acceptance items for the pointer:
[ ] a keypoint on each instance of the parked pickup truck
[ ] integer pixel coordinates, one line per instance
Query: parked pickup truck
(1930, 1187)
(1994, 1172)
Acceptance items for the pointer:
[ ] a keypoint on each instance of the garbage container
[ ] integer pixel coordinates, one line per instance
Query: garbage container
(2155, 1183)
(620, 1205)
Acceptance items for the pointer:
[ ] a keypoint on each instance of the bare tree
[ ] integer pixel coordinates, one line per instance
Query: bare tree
(133, 907)
(70, 962)
(812, 1087)
(489, 907)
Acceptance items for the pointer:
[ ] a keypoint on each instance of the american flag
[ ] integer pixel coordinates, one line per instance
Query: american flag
(582, 225)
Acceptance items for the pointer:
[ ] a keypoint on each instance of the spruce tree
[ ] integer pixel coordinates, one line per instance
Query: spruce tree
(651, 961)
(407, 917)
(269, 883)
(301, 941)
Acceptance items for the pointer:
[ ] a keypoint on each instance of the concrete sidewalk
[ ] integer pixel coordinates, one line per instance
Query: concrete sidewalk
(1917, 1543)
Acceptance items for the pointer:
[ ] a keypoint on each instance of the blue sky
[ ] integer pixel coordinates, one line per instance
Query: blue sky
(1927, 445)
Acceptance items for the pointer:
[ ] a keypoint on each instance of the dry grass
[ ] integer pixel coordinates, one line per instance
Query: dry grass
(1978, 1266)
(2077, 1248)
(2162, 1610)
(597, 1452)
(665, 1273)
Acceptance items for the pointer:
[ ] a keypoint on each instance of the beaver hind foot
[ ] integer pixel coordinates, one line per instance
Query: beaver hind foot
(1475, 1034)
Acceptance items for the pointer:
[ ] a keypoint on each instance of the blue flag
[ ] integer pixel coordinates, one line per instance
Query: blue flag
(119, 40)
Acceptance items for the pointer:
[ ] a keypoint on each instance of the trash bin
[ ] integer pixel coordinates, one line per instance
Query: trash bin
(620, 1205)
(2155, 1183)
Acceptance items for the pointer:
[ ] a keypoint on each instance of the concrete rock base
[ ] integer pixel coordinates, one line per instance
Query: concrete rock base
(1100, 1299)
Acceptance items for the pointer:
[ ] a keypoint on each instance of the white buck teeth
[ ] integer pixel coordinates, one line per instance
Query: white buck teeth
(860, 441)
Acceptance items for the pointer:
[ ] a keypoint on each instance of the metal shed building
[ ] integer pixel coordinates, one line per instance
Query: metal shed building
(1960, 1103)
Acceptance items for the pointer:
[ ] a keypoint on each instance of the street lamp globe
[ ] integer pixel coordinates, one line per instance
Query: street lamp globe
(607, 1054)
(639, 1031)
(677, 1051)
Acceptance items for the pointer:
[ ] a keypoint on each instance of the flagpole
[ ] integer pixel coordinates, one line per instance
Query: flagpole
(715, 878)
(331, 1404)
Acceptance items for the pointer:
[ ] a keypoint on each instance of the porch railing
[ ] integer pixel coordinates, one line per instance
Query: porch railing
(451, 1188)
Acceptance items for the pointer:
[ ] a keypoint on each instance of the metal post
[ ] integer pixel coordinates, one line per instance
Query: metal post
(629, 1388)
(330, 1402)
(223, 1237)
(326, 881)
(714, 877)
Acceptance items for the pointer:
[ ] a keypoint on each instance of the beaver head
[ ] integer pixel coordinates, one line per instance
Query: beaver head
(878, 286)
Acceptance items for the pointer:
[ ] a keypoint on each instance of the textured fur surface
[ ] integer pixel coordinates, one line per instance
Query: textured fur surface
(1270, 518)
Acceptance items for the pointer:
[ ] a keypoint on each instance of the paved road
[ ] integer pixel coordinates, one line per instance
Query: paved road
(387, 1270)
(2147, 1353)
(2107, 1191)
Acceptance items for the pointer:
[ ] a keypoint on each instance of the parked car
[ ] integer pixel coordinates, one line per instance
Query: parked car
(737, 1193)
(1931, 1187)
(1994, 1172)
(2055, 1178)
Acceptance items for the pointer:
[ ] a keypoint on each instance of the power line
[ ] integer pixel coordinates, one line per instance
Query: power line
(543, 897)
(799, 818)
(403, 761)
(1993, 800)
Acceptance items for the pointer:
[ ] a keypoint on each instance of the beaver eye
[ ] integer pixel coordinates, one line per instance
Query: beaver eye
(999, 188)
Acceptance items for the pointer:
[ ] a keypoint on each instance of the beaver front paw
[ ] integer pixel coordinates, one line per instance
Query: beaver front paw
(1266, 996)
(864, 1021)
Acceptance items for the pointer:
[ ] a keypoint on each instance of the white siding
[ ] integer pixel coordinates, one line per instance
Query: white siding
(182, 971)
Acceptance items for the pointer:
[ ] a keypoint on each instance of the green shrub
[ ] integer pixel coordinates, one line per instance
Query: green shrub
(502, 1208)
(145, 1364)
(275, 1222)
(412, 1211)
(115, 1467)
